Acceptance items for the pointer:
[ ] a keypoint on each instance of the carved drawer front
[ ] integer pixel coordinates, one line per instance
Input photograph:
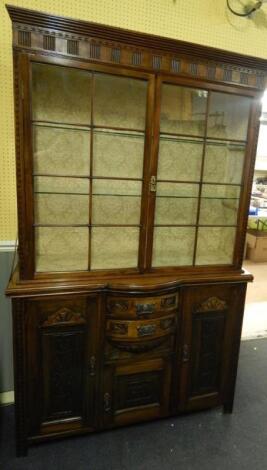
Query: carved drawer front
(141, 307)
(136, 330)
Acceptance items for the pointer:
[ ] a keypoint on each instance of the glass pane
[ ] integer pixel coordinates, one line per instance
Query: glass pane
(114, 247)
(215, 245)
(228, 116)
(176, 203)
(223, 162)
(118, 154)
(173, 246)
(61, 249)
(219, 205)
(116, 202)
(58, 151)
(120, 102)
(54, 184)
(59, 209)
(183, 110)
(61, 94)
(180, 159)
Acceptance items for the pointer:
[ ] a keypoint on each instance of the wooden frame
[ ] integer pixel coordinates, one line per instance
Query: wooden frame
(24, 166)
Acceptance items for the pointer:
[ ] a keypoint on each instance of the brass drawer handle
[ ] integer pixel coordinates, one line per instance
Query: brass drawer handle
(146, 330)
(142, 309)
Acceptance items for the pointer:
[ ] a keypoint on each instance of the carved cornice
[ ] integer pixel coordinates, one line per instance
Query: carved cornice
(212, 304)
(37, 31)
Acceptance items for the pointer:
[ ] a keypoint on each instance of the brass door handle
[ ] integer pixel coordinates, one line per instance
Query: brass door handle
(153, 184)
(185, 353)
(107, 402)
(92, 364)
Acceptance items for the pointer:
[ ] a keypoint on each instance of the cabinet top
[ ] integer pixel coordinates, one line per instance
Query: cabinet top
(34, 30)
(146, 283)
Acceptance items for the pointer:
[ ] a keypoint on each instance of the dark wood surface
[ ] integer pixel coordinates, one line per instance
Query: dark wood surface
(96, 350)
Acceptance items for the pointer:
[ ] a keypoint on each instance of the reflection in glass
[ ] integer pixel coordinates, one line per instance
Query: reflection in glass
(61, 94)
(223, 162)
(118, 154)
(173, 246)
(183, 110)
(61, 249)
(116, 202)
(119, 102)
(58, 151)
(176, 204)
(114, 247)
(180, 159)
(215, 245)
(218, 211)
(228, 116)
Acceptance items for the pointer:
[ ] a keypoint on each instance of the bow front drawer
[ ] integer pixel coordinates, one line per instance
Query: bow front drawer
(141, 307)
(138, 330)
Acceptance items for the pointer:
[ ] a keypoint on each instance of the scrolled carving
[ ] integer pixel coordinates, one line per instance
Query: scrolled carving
(168, 302)
(167, 323)
(118, 306)
(212, 304)
(64, 315)
(119, 328)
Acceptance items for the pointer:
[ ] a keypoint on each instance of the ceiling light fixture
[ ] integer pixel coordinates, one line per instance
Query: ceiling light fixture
(248, 10)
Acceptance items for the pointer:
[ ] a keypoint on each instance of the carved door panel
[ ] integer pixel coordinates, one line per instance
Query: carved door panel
(212, 321)
(61, 334)
(136, 391)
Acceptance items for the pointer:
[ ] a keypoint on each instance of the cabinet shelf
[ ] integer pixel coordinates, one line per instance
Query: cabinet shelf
(123, 131)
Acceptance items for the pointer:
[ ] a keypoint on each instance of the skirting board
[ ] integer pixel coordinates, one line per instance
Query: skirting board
(7, 398)
(7, 245)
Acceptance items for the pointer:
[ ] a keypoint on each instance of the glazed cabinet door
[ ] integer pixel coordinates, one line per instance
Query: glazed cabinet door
(87, 153)
(62, 363)
(212, 322)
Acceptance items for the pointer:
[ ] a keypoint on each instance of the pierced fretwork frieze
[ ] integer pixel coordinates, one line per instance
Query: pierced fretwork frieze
(106, 51)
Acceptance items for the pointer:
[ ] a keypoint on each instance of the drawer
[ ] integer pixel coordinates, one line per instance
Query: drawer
(140, 330)
(141, 307)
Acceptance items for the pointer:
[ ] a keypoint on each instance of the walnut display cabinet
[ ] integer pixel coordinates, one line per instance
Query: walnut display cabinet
(135, 157)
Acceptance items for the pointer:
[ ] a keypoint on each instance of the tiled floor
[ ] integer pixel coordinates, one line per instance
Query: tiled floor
(255, 318)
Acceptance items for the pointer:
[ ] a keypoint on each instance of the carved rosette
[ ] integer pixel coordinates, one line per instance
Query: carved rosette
(64, 315)
(212, 304)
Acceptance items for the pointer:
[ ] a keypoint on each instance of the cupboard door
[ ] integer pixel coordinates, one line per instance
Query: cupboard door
(212, 321)
(88, 154)
(136, 391)
(62, 363)
(202, 137)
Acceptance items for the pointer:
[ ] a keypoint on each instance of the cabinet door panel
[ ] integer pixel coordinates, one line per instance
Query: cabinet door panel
(62, 362)
(63, 378)
(212, 321)
(136, 391)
